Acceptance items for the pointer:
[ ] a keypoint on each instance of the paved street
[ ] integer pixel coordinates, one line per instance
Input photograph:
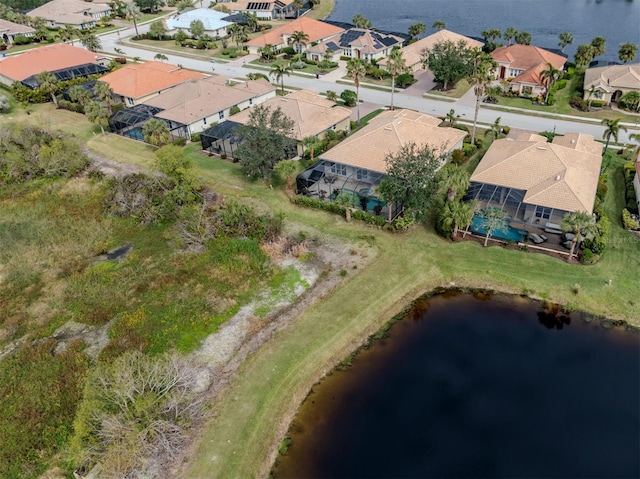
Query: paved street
(409, 98)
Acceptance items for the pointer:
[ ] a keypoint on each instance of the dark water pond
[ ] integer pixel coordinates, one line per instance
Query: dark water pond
(477, 387)
(616, 20)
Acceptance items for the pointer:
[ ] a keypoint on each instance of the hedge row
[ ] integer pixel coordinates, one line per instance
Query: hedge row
(337, 209)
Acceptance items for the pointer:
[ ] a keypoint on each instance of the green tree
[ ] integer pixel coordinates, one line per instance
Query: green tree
(348, 201)
(584, 55)
(448, 61)
(149, 5)
(410, 180)
(133, 14)
(456, 215)
(438, 25)
(483, 73)
(565, 38)
(416, 29)
(97, 113)
(332, 95)
(67, 34)
(360, 21)
(523, 38)
(311, 143)
(278, 71)
(599, 45)
(91, 42)
(630, 100)
(49, 84)
(452, 181)
(451, 119)
(495, 219)
(172, 161)
(156, 30)
(104, 92)
(180, 37)
(241, 34)
(80, 95)
(252, 22)
(160, 56)
(509, 34)
(156, 132)
(357, 71)
(491, 34)
(266, 52)
(549, 76)
(287, 169)
(299, 39)
(265, 140)
(496, 129)
(627, 52)
(580, 224)
(196, 28)
(613, 128)
(396, 65)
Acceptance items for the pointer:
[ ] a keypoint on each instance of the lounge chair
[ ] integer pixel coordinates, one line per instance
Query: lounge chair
(535, 238)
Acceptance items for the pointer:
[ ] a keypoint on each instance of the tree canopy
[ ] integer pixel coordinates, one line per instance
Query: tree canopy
(360, 21)
(266, 140)
(448, 61)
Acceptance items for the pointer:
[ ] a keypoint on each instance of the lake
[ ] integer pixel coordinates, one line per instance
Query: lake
(616, 20)
(477, 386)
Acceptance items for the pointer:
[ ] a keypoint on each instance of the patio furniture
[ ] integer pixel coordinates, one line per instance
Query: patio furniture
(544, 238)
(535, 238)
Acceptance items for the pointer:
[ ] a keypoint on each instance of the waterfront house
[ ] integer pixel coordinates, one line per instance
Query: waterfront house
(413, 53)
(279, 37)
(213, 21)
(264, 9)
(64, 61)
(136, 83)
(607, 84)
(538, 182)
(9, 31)
(355, 43)
(81, 15)
(522, 66)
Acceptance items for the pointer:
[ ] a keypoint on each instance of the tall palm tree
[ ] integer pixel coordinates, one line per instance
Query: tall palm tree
(132, 12)
(592, 90)
(580, 224)
(627, 52)
(565, 38)
(483, 72)
(287, 169)
(495, 219)
(79, 95)
(438, 25)
(509, 34)
(104, 92)
(549, 76)
(452, 180)
(612, 130)
(156, 132)
(356, 70)
(496, 129)
(396, 65)
(67, 33)
(266, 52)
(49, 83)
(97, 113)
(458, 215)
(299, 38)
(91, 42)
(451, 118)
(311, 142)
(242, 34)
(278, 71)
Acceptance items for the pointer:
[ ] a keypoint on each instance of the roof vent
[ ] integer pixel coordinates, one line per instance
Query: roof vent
(558, 177)
(541, 147)
(388, 128)
(573, 141)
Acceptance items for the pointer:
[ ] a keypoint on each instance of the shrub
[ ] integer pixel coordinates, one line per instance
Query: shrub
(179, 141)
(560, 85)
(405, 79)
(195, 137)
(587, 258)
(462, 127)
(299, 65)
(403, 222)
(578, 103)
(234, 110)
(469, 149)
(349, 97)
(309, 61)
(506, 130)
(458, 156)
(288, 51)
(596, 103)
(628, 222)
(22, 40)
(601, 192)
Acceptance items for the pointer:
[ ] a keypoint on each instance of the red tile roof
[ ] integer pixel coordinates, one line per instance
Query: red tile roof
(49, 58)
(528, 58)
(141, 79)
(314, 28)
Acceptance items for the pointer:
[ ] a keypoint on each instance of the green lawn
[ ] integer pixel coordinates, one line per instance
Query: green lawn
(456, 92)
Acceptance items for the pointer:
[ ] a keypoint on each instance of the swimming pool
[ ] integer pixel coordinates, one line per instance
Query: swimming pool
(478, 226)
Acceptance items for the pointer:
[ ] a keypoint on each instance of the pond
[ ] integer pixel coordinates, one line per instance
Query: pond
(477, 386)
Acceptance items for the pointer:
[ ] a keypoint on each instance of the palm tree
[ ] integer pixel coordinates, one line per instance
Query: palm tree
(627, 52)
(299, 38)
(580, 224)
(252, 22)
(242, 34)
(356, 70)
(396, 65)
(549, 76)
(160, 56)
(348, 201)
(599, 45)
(278, 71)
(451, 118)
(310, 143)
(509, 34)
(584, 55)
(332, 95)
(438, 25)
(612, 130)
(484, 67)
(156, 132)
(104, 92)
(495, 219)
(67, 33)
(565, 38)
(50, 84)
(79, 95)
(287, 169)
(458, 215)
(132, 12)
(97, 113)
(452, 180)
(496, 129)
(266, 52)
(91, 42)
(592, 90)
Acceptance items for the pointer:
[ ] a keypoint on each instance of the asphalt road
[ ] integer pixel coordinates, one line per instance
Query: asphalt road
(464, 108)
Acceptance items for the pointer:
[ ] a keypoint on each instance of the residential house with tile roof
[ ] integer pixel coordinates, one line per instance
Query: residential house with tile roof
(82, 15)
(413, 53)
(280, 37)
(312, 115)
(136, 83)
(356, 43)
(9, 31)
(212, 20)
(63, 60)
(357, 165)
(538, 182)
(636, 183)
(607, 84)
(522, 65)
(263, 9)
